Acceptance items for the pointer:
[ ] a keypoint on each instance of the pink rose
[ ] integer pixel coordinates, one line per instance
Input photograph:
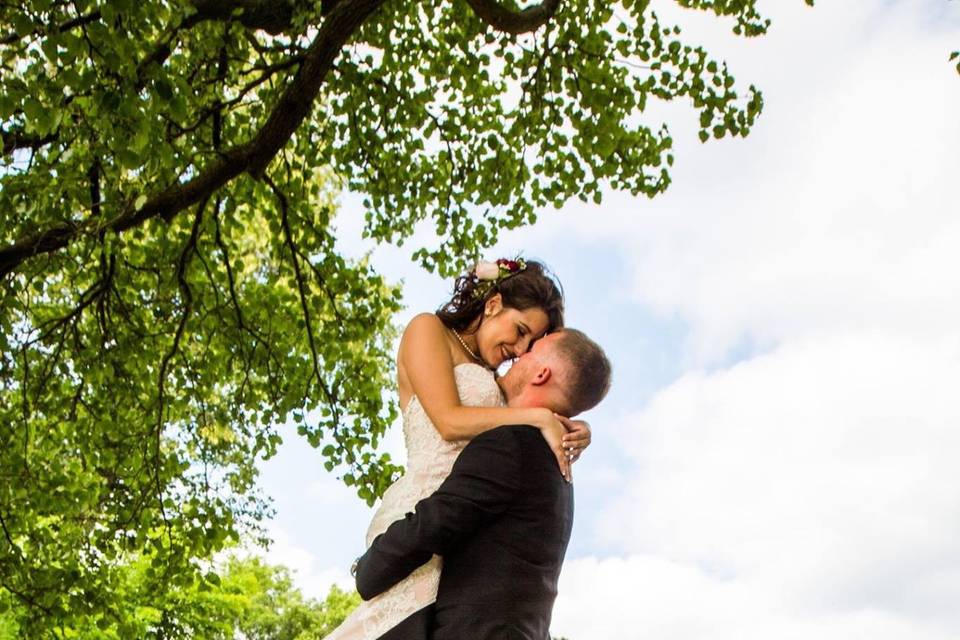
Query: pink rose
(487, 271)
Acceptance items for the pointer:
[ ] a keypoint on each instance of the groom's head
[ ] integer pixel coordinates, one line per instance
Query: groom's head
(565, 371)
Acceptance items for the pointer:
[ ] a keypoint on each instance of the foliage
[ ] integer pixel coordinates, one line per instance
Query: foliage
(247, 600)
(171, 287)
(138, 397)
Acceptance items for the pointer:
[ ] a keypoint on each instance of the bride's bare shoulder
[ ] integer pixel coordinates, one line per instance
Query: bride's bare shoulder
(424, 326)
(425, 333)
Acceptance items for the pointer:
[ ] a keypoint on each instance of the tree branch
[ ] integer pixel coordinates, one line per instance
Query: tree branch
(273, 16)
(17, 139)
(302, 289)
(93, 16)
(297, 100)
(94, 175)
(6, 533)
(188, 250)
(290, 111)
(514, 22)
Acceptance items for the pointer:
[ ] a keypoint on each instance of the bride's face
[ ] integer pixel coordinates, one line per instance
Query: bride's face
(506, 333)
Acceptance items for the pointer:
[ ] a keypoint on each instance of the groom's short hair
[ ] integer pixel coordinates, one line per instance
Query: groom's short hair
(588, 370)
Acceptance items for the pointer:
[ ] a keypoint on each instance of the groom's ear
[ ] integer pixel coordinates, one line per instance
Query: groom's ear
(541, 376)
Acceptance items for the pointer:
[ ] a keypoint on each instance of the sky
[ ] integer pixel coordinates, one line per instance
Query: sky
(777, 455)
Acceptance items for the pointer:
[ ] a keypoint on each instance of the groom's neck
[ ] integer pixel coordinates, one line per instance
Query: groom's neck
(531, 397)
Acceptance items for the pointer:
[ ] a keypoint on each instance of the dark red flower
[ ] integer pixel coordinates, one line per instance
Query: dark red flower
(512, 266)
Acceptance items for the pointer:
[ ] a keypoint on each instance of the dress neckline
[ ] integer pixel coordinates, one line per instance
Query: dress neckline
(473, 364)
(413, 396)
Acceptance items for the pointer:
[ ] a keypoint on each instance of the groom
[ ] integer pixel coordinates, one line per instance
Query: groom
(502, 518)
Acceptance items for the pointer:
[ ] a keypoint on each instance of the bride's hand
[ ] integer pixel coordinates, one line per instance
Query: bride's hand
(577, 438)
(553, 431)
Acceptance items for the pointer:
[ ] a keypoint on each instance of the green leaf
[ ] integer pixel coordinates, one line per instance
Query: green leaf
(164, 88)
(128, 158)
(22, 24)
(49, 47)
(8, 105)
(34, 110)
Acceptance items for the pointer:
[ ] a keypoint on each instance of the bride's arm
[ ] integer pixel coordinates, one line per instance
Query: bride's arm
(426, 360)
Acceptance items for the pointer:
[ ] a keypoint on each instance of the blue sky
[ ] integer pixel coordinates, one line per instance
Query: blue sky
(777, 454)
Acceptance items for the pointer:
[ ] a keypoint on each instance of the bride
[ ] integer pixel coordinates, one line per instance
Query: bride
(449, 394)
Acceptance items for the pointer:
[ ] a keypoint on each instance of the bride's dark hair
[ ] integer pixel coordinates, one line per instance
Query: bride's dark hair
(532, 287)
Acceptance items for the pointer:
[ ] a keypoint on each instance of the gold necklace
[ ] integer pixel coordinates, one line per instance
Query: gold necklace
(469, 350)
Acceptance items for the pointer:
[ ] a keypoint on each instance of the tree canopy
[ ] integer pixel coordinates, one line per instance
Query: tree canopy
(171, 285)
(239, 599)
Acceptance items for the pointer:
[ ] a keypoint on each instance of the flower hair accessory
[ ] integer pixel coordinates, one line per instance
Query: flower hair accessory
(489, 274)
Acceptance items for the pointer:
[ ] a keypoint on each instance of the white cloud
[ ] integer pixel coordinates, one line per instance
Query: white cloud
(644, 596)
(313, 581)
(808, 490)
(820, 476)
(838, 212)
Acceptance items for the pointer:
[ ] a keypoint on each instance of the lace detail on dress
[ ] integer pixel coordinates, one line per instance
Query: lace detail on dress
(429, 460)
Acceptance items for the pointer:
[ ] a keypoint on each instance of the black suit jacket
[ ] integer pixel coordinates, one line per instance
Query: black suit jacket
(501, 520)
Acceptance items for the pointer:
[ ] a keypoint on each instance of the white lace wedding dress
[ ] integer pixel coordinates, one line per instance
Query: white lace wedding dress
(429, 460)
